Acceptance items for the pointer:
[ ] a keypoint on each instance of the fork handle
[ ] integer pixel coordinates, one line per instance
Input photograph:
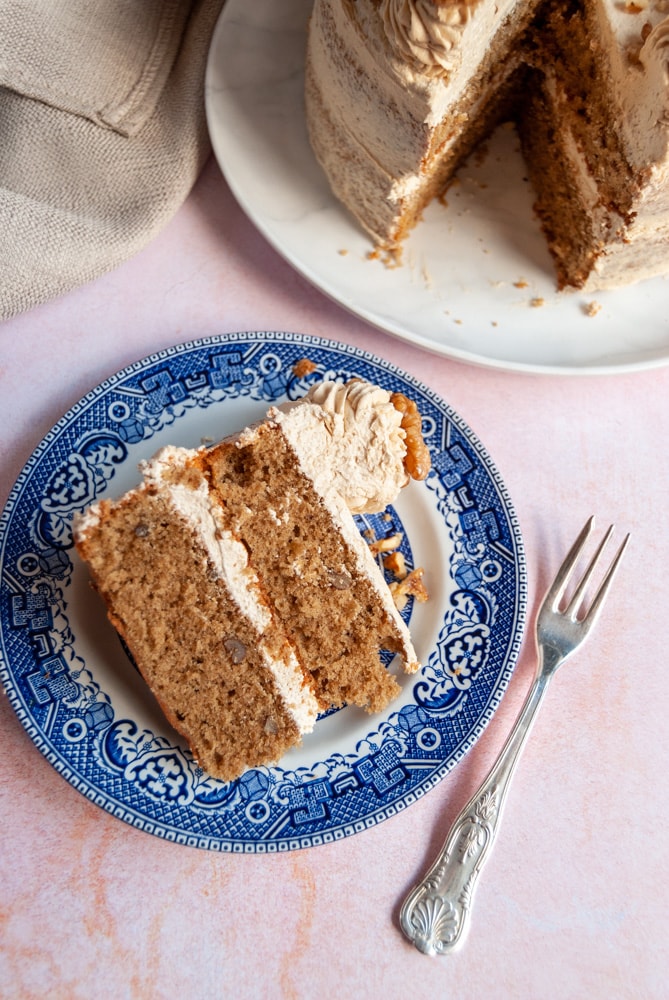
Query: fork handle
(435, 915)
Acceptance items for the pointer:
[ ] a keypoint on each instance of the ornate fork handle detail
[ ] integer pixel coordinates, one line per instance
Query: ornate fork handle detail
(435, 915)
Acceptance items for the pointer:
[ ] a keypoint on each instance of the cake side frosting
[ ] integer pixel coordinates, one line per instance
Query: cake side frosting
(632, 44)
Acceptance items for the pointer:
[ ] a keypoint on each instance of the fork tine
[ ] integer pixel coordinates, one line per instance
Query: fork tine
(574, 604)
(600, 596)
(557, 588)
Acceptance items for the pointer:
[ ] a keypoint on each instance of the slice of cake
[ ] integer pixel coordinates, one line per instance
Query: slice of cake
(398, 92)
(240, 583)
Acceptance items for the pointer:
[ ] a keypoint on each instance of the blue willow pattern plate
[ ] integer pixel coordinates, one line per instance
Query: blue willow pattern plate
(87, 709)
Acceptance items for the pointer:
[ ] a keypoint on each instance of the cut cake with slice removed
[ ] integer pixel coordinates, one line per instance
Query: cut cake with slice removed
(240, 583)
(399, 92)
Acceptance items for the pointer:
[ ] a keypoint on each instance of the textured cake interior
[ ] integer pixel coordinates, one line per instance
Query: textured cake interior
(328, 607)
(571, 143)
(200, 656)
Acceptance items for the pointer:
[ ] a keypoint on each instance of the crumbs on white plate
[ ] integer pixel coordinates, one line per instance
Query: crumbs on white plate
(591, 308)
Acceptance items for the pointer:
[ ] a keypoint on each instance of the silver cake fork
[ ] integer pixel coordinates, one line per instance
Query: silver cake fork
(435, 914)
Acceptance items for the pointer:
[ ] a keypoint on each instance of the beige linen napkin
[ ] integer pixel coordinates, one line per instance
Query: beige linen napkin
(102, 134)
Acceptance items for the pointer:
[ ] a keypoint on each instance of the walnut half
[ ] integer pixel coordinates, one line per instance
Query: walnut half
(417, 461)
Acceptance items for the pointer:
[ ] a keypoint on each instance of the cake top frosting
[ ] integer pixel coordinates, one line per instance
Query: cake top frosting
(427, 33)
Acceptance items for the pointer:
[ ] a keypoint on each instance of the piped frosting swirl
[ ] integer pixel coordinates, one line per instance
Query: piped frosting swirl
(425, 33)
(349, 438)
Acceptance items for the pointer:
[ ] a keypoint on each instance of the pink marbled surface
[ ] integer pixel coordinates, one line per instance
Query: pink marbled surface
(573, 901)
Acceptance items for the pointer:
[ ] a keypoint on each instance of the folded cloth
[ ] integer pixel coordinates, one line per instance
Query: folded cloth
(103, 131)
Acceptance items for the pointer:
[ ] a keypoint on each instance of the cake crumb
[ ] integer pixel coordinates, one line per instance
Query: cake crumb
(304, 367)
(592, 308)
(343, 253)
(537, 302)
(521, 283)
(427, 277)
(390, 258)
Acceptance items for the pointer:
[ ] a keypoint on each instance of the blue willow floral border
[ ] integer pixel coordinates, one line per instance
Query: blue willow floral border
(140, 776)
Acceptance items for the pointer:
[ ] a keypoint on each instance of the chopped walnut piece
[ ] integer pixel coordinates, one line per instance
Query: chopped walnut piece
(303, 367)
(417, 461)
(235, 648)
(385, 544)
(395, 563)
(340, 581)
(411, 586)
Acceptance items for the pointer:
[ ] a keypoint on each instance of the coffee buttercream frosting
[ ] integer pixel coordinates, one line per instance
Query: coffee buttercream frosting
(349, 437)
(425, 33)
